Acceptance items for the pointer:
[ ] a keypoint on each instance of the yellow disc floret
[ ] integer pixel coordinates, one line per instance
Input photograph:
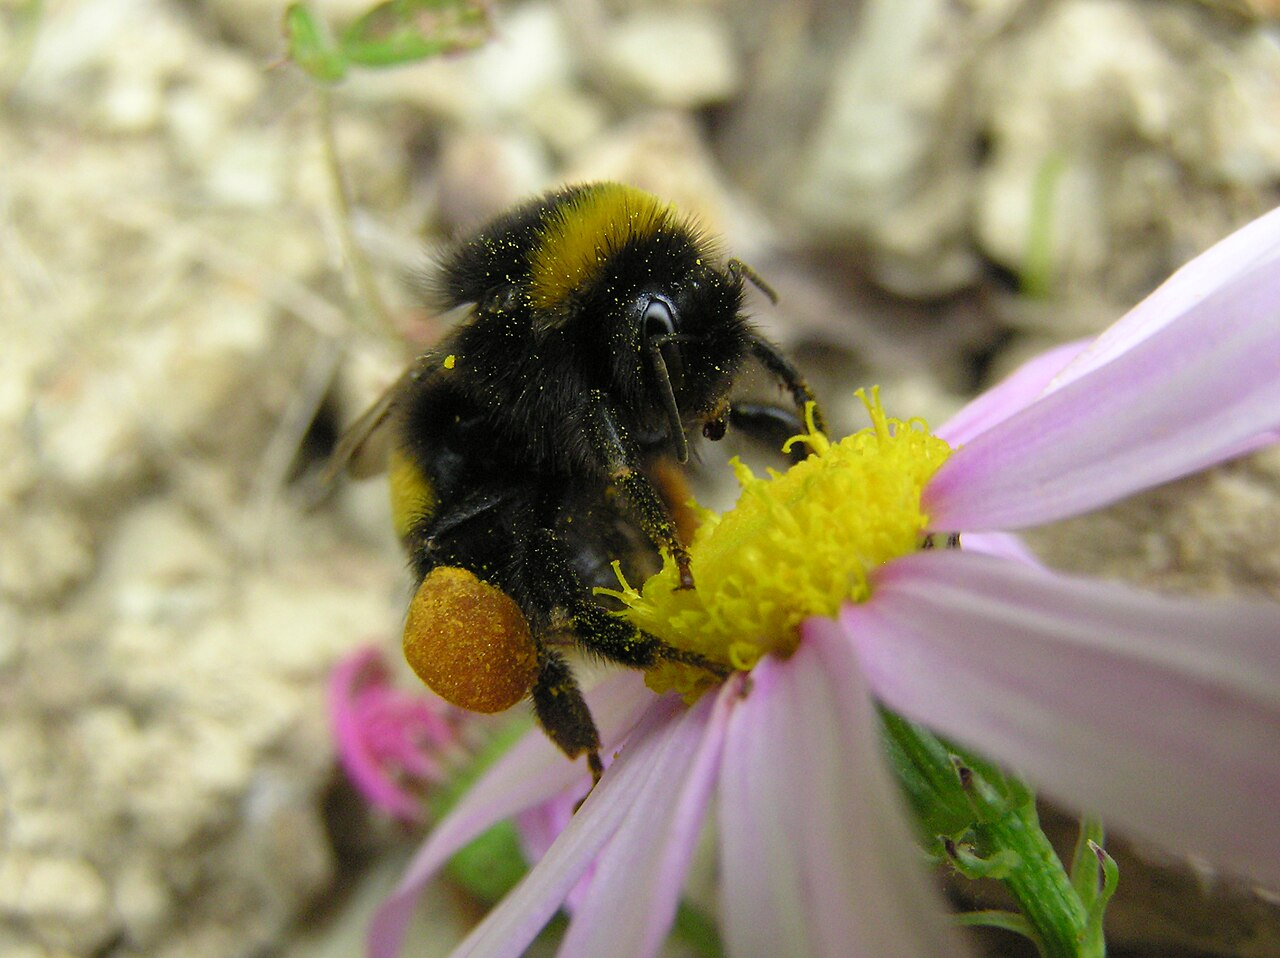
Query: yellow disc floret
(797, 544)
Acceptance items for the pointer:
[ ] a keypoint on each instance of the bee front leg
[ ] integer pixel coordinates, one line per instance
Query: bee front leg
(772, 358)
(621, 465)
(770, 426)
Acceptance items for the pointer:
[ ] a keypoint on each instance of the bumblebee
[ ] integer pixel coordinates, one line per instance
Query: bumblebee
(542, 438)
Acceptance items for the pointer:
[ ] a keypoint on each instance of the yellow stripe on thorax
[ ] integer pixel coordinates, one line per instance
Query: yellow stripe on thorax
(578, 236)
(412, 494)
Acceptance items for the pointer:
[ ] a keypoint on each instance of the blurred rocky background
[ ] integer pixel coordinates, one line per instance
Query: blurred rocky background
(937, 188)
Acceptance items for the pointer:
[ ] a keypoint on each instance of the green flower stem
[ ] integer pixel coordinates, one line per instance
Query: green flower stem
(1040, 885)
(984, 822)
(366, 287)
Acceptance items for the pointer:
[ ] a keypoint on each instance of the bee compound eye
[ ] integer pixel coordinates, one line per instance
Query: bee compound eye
(658, 319)
(469, 642)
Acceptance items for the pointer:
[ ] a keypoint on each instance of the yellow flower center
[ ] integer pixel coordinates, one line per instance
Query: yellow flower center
(797, 544)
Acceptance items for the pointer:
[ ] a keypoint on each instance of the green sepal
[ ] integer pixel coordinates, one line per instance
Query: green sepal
(949, 789)
(925, 772)
(1001, 864)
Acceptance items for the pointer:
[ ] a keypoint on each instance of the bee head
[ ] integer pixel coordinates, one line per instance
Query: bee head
(636, 286)
(677, 336)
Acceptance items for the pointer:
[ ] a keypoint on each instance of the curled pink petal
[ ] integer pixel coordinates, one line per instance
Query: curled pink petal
(818, 860)
(1004, 545)
(385, 736)
(1252, 247)
(1161, 714)
(1195, 391)
(631, 901)
(532, 772)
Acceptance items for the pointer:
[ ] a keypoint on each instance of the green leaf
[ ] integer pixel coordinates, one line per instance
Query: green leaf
(491, 865)
(1008, 920)
(1084, 863)
(695, 929)
(309, 45)
(1001, 863)
(403, 31)
(19, 23)
(1098, 907)
(1037, 262)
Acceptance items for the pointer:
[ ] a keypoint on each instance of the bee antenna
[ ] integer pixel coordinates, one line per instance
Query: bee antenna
(674, 423)
(740, 271)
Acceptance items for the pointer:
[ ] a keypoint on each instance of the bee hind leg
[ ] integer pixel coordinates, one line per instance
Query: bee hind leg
(562, 711)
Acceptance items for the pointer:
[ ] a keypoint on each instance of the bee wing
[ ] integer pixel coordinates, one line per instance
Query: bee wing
(363, 449)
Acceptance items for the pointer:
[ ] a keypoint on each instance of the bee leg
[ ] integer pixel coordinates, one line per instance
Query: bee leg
(655, 519)
(775, 362)
(620, 463)
(604, 634)
(597, 630)
(562, 712)
(770, 426)
(471, 508)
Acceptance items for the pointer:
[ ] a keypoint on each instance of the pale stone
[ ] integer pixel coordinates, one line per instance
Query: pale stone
(679, 57)
(65, 899)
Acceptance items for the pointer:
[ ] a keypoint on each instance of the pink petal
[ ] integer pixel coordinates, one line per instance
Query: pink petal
(1017, 391)
(1160, 714)
(509, 928)
(1188, 395)
(540, 826)
(818, 861)
(534, 771)
(631, 902)
(1254, 245)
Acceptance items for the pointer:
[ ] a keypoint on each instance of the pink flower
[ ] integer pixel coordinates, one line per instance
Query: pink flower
(1160, 713)
(388, 741)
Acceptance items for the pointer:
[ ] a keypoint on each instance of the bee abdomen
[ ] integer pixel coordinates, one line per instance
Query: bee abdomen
(413, 495)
